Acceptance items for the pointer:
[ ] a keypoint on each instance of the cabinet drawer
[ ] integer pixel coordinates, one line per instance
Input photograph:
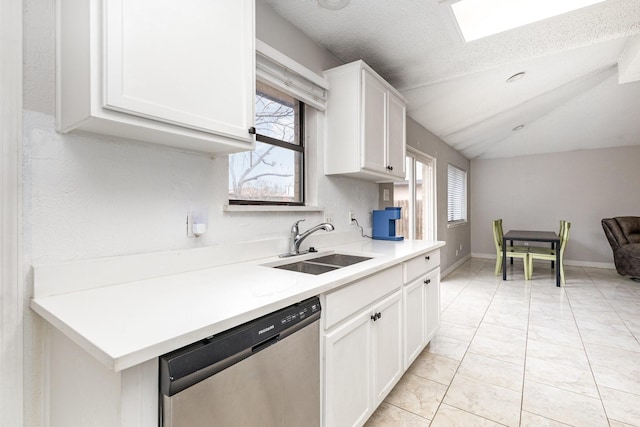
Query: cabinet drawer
(420, 265)
(358, 295)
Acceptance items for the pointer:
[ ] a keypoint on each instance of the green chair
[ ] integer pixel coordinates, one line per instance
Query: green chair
(543, 250)
(551, 254)
(512, 251)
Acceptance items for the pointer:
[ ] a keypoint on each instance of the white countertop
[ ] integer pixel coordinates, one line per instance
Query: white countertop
(123, 325)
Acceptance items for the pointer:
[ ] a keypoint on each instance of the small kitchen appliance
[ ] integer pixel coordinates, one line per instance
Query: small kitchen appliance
(384, 223)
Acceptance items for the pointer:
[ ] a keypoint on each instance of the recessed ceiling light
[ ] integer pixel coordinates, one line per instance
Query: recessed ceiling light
(515, 77)
(478, 19)
(517, 128)
(333, 4)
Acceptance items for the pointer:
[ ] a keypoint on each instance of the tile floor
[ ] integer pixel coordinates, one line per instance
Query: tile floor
(526, 353)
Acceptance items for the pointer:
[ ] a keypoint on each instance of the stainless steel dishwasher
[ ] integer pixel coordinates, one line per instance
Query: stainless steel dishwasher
(262, 373)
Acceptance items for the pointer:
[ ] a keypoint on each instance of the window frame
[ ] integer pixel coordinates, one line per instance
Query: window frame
(299, 147)
(462, 196)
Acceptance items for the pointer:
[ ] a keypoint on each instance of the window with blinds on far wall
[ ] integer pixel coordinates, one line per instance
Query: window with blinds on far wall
(456, 195)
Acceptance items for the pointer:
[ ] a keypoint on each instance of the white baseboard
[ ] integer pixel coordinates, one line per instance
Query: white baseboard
(455, 265)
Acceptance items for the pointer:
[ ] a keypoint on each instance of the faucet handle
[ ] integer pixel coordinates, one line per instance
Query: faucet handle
(295, 225)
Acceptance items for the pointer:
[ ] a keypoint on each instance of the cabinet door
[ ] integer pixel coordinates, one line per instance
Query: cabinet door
(347, 373)
(396, 144)
(432, 303)
(387, 346)
(374, 119)
(189, 63)
(414, 320)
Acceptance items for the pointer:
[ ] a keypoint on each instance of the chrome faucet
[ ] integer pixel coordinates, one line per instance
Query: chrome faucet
(297, 238)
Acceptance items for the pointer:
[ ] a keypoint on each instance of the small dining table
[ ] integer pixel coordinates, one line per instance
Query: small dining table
(531, 236)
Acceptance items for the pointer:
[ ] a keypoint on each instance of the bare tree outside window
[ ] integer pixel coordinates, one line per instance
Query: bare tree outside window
(272, 173)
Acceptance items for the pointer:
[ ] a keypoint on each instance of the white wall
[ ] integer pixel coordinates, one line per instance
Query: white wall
(536, 192)
(426, 142)
(88, 197)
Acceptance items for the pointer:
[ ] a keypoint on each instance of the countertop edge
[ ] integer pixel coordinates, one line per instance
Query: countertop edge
(49, 309)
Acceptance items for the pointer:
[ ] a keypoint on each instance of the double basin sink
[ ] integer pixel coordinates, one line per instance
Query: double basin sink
(323, 263)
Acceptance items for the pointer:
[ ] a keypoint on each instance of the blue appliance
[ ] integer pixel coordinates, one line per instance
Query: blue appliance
(384, 224)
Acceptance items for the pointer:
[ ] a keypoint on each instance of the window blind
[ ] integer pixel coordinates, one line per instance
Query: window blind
(285, 74)
(456, 192)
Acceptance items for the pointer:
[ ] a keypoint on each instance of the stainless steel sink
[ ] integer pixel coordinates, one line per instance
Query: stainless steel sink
(342, 260)
(322, 264)
(307, 267)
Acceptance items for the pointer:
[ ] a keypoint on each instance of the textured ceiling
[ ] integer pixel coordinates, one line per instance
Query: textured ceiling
(569, 99)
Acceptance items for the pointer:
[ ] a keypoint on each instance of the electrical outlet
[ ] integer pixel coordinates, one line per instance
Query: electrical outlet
(460, 246)
(189, 225)
(351, 216)
(456, 252)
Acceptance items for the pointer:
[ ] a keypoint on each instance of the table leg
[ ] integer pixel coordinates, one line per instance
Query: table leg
(504, 259)
(558, 267)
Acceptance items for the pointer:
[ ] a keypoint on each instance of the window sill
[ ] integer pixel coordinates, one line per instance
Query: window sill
(457, 224)
(270, 208)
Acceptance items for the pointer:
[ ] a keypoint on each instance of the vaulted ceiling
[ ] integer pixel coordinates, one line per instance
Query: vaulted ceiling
(570, 98)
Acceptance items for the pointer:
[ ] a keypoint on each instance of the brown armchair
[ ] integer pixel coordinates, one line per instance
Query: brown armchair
(623, 233)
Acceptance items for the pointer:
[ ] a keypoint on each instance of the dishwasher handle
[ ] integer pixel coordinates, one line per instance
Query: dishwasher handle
(264, 344)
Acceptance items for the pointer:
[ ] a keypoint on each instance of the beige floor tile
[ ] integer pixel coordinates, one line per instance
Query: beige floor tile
(613, 423)
(492, 371)
(498, 349)
(561, 376)
(515, 321)
(457, 331)
(434, 367)
(501, 333)
(391, 416)
(417, 395)
(563, 406)
(447, 347)
(495, 403)
(622, 340)
(615, 368)
(527, 419)
(561, 336)
(620, 406)
(560, 354)
(448, 416)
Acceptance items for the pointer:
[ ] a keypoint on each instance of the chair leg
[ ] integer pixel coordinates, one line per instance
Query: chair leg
(530, 269)
(498, 264)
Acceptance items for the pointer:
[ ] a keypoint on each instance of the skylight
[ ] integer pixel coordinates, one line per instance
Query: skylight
(483, 18)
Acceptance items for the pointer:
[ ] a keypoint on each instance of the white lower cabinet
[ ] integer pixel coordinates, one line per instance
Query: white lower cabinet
(363, 361)
(348, 373)
(432, 303)
(413, 296)
(373, 329)
(421, 299)
(387, 345)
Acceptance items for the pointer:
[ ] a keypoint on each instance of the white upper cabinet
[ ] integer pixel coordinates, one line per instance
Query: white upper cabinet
(174, 73)
(365, 126)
